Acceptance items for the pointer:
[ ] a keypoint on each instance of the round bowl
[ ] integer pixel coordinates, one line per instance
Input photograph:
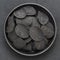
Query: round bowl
(51, 18)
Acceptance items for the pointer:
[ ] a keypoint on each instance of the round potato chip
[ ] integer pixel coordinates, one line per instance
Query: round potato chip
(30, 10)
(12, 36)
(43, 18)
(40, 45)
(22, 31)
(36, 34)
(28, 20)
(19, 43)
(50, 25)
(10, 24)
(20, 13)
(48, 32)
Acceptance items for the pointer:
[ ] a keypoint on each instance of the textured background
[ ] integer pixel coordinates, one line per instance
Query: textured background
(6, 53)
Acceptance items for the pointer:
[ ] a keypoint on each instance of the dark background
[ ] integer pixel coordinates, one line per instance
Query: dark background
(6, 53)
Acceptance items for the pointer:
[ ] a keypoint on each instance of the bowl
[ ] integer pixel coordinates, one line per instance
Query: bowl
(51, 19)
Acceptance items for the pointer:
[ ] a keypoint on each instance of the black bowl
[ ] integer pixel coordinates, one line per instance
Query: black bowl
(51, 19)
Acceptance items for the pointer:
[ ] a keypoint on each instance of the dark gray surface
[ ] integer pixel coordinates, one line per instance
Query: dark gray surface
(6, 53)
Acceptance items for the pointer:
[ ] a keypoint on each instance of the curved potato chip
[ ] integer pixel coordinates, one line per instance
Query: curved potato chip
(48, 32)
(40, 45)
(30, 10)
(50, 25)
(10, 25)
(19, 43)
(43, 18)
(12, 36)
(36, 34)
(20, 13)
(21, 31)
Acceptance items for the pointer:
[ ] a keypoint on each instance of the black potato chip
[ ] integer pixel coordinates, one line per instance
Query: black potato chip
(21, 31)
(43, 18)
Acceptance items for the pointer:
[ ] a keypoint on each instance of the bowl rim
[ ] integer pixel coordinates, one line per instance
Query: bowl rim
(45, 48)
